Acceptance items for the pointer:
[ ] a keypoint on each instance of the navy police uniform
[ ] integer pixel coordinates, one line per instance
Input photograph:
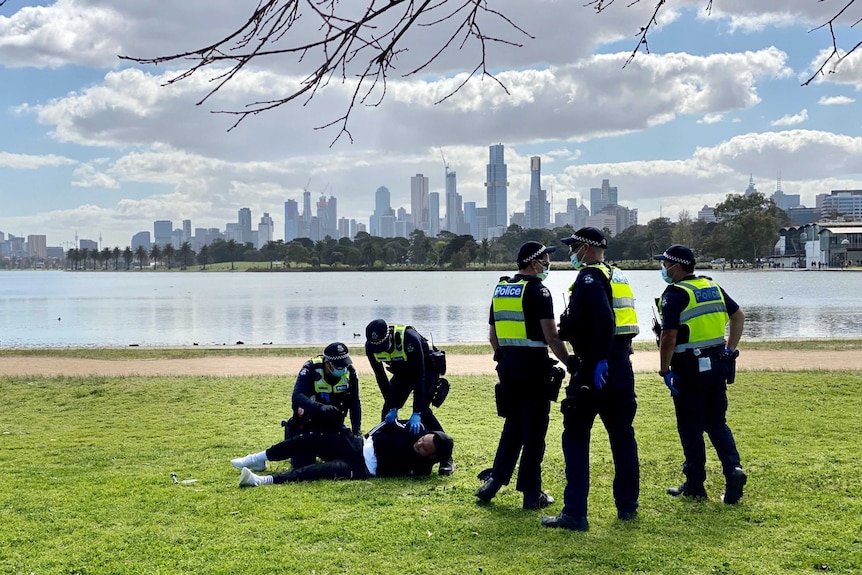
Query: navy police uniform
(591, 330)
(701, 401)
(403, 352)
(522, 393)
(322, 400)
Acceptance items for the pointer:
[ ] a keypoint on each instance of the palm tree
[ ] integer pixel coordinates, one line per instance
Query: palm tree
(185, 253)
(204, 256)
(116, 255)
(105, 257)
(169, 253)
(128, 256)
(231, 250)
(155, 255)
(85, 255)
(141, 254)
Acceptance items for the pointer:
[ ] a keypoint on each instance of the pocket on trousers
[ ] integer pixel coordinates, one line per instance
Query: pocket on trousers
(501, 397)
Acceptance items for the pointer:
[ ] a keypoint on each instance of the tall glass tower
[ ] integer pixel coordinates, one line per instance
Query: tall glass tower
(496, 182)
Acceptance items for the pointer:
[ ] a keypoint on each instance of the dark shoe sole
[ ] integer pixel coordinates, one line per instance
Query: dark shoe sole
(566, 522)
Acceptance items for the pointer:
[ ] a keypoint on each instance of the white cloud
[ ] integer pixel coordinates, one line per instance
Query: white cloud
(791, 119)
(835, 100)
(711, 119)
(33, 162)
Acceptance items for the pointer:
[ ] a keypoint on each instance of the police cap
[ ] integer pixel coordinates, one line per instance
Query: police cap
(377, 336)
(589, 236)
(677, 254)
(337, 354)
(532, 251)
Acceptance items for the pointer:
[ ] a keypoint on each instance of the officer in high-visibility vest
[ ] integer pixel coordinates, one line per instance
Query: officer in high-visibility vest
(697, 363)
(599, 322)
(405, 353)
(522, 327)
(326, 390)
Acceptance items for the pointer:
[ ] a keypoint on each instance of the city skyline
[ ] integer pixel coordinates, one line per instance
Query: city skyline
(98, 144)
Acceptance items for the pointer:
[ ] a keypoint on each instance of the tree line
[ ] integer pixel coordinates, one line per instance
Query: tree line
(747, 229)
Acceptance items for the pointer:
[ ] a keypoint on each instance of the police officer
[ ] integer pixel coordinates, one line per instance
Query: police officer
(326, 389)
(696, 365)
(404, 352)
(599, 322)
(522, 326)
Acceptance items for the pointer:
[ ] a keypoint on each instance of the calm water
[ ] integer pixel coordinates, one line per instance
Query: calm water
(60, 309)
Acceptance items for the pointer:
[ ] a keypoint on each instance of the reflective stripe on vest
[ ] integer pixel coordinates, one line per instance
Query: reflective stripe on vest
(624, 304)
(397, 353)
(705, 315)
(622, 300)
(509, 322)
(321, 385)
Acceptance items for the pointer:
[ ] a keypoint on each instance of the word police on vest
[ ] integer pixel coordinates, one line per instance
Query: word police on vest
(513, 290)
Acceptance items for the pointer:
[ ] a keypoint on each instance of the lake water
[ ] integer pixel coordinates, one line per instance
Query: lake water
(64, 309)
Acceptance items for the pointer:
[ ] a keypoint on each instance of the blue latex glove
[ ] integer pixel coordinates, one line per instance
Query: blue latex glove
(391, 416)
(670, 378)
(415, 423)
(601, 373)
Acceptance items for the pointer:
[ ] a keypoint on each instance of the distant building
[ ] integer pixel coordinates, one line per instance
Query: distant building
(141, 239)
(496, 187)
(601, 197)
(706, 214)
(37, 246)
(162, 232)
(291, 220)
(843, 204)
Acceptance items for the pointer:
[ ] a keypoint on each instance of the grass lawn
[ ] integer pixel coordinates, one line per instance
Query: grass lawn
(87, 487)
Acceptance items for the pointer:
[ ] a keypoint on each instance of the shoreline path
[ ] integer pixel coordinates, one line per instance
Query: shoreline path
(235, 366)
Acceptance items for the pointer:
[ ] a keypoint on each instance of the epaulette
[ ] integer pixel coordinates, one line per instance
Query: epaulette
(504, 278)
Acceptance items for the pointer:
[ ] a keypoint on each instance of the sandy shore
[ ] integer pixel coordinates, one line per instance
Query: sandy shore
(643, 361)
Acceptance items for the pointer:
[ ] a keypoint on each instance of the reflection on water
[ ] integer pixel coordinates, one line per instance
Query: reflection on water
(54, 309)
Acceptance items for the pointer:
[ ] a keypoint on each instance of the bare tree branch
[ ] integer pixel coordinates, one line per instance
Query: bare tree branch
(836, 54)
(377, 36)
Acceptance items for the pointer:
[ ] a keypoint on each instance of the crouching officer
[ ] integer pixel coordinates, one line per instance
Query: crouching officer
(599, 323)
(697, 364)
(326, 390)
(406, 354)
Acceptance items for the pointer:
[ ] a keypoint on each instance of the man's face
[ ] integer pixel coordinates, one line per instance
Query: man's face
(542, 264)
(424, 446)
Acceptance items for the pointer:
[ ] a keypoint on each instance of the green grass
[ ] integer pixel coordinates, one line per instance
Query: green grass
(87, 490)
(127, 353)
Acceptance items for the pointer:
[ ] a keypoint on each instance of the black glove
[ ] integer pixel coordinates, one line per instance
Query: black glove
(329, 414)
(573, 363)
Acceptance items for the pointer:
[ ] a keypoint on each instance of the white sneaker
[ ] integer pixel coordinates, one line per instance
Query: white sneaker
(252, 461)
(249, 479)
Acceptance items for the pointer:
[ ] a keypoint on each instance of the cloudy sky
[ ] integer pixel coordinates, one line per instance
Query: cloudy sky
(96, 146)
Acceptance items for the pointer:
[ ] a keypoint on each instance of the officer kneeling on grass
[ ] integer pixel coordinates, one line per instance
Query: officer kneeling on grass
(696, 365)
(416, 368)
(326, 390)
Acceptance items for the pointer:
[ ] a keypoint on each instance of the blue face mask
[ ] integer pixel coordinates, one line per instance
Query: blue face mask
(543, 275)
(576, 262)
(339, 372)
(664, 276)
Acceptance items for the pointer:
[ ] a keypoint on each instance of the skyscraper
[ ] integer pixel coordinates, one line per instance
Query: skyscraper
(264, 230)
(187, 230)
(381, 208)
(434, 214)
(244, 228)
(602, 197)
(538, 197)
(419, 206)
(291, 220)
(496, 184)
(454, 217)
(162, 230)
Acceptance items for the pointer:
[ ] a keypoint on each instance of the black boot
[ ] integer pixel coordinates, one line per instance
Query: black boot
(446, 467)
(688, 490)
(538, 500)
(736, 479)
(488, 490)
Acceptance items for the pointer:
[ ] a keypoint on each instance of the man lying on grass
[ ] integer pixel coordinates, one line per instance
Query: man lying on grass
(388, 450)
